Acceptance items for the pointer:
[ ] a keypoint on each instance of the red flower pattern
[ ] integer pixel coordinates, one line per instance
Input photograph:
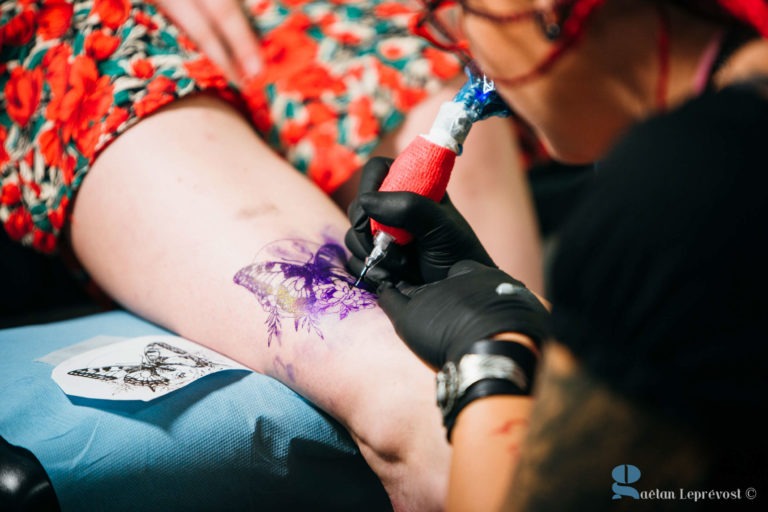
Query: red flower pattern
(160, 91)
(143, 18)
(142, 68)
(333, 162)
(287, 49)
(100, 45)
(20, 29)
(54, 19)
(390, 9)
(312, 82)
(42, 241)
(58, 216)
(87, 100)
(10, 194)
(56, 63)
(67, 101)
(112, 13)
(51, 147)
(4, 157)
(206, 73)
(442, 65)
(366, 125)
(22, 94)
(18, 224)
(116, 119)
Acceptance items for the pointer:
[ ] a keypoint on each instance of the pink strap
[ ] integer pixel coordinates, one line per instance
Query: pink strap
(706, 62)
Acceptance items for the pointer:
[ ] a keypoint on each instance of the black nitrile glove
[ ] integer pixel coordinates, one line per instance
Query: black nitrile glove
(440, 321)
(441, 235)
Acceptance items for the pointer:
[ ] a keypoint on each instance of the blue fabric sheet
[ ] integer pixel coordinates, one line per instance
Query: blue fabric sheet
(230, 441)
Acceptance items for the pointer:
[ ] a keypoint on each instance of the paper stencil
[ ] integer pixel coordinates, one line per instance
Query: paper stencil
(141, 368)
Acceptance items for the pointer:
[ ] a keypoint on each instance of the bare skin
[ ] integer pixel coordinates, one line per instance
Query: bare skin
(164, 230)
(487, 440)
(577, 115)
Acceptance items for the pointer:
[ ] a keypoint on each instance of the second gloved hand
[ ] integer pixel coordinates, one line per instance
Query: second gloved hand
(441, 235)
(440, 321)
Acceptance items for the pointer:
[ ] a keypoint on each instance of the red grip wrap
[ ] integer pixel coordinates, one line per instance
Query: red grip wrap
(424, 168)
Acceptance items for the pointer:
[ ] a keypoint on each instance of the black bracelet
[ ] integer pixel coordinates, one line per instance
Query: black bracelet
(522, 355)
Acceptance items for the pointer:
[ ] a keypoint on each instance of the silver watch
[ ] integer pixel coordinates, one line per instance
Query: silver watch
(454, 380)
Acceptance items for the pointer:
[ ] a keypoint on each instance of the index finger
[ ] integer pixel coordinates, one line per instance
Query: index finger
(231, 23)
(374, 172)
(194, 21)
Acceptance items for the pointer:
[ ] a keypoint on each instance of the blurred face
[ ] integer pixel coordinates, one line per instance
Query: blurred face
(570, 109)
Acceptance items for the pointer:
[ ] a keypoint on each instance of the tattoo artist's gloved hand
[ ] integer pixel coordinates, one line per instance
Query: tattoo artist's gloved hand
(440, 321)
(441, 235)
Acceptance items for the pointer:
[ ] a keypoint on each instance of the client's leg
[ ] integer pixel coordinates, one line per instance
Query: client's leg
(183, 202)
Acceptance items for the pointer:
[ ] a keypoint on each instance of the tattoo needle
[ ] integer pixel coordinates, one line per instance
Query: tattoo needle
(380, 245)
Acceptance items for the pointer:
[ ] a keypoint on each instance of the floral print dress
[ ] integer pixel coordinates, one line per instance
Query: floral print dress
(74, 75)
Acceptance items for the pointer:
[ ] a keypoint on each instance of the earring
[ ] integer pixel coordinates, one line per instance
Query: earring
(549, 24)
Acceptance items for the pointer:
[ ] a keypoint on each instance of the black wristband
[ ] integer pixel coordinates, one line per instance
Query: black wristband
(519, 353)
(522, 356)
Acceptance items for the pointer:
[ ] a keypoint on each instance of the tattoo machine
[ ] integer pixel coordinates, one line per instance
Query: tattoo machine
(425, 166)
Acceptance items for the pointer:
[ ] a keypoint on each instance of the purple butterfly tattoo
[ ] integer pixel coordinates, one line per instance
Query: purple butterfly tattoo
(301, 280)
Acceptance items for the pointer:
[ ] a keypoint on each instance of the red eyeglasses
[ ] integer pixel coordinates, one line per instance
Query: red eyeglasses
(440, 23)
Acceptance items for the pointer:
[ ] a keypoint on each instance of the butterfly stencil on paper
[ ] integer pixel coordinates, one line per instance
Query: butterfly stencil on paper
(162, 366)
(142, 368)
(300, 281)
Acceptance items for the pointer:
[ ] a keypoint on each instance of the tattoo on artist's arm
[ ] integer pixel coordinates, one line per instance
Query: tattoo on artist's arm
(580, 431)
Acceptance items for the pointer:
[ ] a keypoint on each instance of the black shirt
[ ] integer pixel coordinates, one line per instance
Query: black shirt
(660, 283)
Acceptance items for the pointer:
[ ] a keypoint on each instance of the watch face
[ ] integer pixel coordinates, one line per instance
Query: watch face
(447, 384)
(442, 392)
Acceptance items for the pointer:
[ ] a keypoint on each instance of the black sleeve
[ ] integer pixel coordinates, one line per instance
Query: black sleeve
(660, 283)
